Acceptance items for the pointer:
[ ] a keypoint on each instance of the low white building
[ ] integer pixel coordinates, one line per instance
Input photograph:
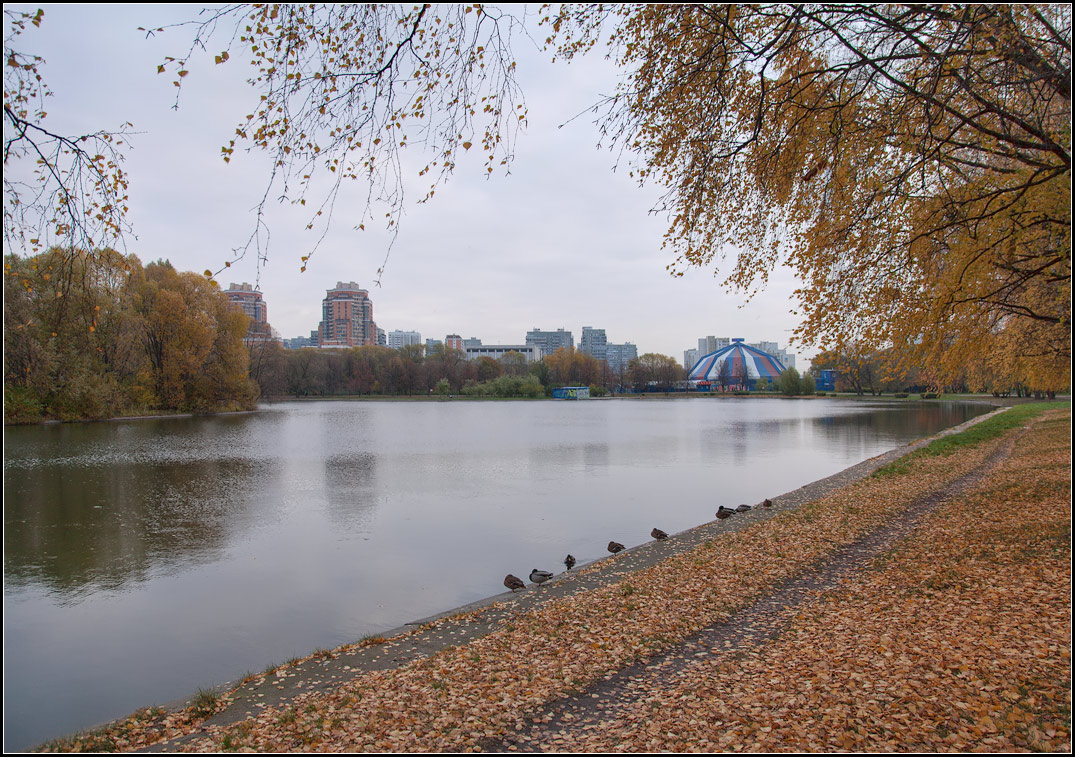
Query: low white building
(531, 352)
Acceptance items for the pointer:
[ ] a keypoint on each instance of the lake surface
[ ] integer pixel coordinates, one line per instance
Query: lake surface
(146, 559)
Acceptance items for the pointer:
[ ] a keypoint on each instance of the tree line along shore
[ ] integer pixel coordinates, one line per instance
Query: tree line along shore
(104, 336)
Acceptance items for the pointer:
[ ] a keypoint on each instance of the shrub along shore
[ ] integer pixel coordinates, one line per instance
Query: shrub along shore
(954, 637)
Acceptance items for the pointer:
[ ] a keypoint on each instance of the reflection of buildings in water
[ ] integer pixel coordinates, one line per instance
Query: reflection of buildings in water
(351, 488)
(741, 439)
(549, 459)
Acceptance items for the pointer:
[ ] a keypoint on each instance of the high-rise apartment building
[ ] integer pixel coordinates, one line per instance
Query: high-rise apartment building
(550, 341)
(253, 305)
(619, 355)
(594, 343)
(776, 351)
(347, 317)
(398, 339)
(454, 342)
(709, 344)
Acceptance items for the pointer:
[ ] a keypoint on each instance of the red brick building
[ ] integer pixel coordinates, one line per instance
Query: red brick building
(347, 317)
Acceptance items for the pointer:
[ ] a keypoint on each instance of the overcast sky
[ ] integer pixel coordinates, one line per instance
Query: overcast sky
(564, 241)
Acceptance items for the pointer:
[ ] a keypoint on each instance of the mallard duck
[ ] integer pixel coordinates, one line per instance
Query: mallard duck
(569, 561)
(658, 534)
(725, 512)
(514, 582)
(614, 547)
(767, 503)
(742, 508)
(540, 576)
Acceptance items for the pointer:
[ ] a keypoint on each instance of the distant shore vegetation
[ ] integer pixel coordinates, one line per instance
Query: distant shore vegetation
(107, 337)
(442, 371)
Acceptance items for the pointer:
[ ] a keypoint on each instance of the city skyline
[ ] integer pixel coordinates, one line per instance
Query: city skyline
(593, 340)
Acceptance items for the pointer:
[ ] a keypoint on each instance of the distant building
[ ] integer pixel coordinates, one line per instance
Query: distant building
(472, 342)
(690, 357)
(431, 343)
(709, 344)
(774, 349)
(593, 343)
(454, 342)
(737, 366)
(253, 305)
(346, 317)
(826, 381)
(619, 355)
(571, 393)
(382, 338)
(497, 351)
(550, 341)
(398, 339)
(297, 343)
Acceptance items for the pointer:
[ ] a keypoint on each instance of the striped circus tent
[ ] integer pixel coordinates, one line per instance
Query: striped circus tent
(735, 365)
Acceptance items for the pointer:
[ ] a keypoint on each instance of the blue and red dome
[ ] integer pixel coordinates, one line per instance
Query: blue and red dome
(736, 365)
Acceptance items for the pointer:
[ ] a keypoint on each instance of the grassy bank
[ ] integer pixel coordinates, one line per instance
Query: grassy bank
(992, 569)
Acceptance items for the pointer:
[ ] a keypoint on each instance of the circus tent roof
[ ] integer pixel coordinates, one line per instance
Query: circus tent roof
(736, 362)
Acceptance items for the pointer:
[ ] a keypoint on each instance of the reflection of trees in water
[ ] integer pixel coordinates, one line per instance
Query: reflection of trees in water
(351, 488)
(904, 422)
(75, 527)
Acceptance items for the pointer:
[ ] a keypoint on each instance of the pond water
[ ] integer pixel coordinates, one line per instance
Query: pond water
(146, 559)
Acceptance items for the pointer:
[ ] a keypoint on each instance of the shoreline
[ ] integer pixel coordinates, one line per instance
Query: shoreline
(424, 637)
(973, 398)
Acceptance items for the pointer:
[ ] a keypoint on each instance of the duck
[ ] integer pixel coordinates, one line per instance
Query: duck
(540, 576)
(742, 508)
(658, 534)
(725, 512)
(767, 503)
(569, 561)
(614, 547)
(514, 582)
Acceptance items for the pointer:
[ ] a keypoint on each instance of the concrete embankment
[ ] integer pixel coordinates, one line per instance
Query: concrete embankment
(516, 670)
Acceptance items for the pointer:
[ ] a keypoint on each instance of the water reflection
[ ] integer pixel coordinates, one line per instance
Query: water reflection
(146, 559)
(103, 528)
(351, 489)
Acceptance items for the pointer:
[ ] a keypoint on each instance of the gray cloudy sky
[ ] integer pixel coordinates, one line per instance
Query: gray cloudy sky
(563, 241)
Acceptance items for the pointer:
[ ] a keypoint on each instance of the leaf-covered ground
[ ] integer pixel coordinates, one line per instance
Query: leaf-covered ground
(957, 638)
